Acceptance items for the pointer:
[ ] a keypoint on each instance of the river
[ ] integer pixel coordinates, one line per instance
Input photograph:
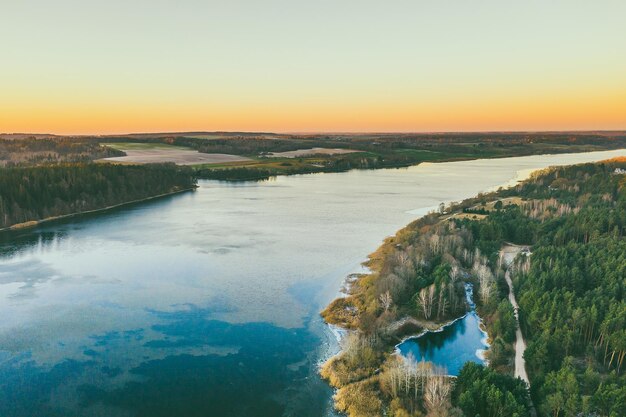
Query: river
(206, 303)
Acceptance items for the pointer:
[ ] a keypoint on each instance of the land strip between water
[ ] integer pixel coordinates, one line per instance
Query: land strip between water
(573, 218)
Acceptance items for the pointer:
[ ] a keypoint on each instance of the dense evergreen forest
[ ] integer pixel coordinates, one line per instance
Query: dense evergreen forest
(570, 288)
(36, 193)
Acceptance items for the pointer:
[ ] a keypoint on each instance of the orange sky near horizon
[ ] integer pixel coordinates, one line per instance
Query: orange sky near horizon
(77, 68)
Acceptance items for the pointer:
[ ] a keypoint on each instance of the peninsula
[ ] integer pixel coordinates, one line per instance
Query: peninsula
(569, 285)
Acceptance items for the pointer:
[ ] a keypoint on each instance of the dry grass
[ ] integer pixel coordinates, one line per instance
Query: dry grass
(505, 202)
(616, 159)
(311, 151)
(470, 216)
(176, 155)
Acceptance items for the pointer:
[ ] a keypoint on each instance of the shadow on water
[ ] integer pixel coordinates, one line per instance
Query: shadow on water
(15, 241)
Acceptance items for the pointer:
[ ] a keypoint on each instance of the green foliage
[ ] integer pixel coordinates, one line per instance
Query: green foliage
(236, 174)
(610, 399)
(509, 224)
(572, 305)
(571, 292)
(504, 324)
(35, 193)
(377, 150)
(561, 392)
(481, 391)
(499, 353)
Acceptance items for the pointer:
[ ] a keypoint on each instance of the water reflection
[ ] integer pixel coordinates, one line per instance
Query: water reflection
(452, 345)
(457, 343)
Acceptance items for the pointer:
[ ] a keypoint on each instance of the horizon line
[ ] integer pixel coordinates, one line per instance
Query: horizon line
(321, 132)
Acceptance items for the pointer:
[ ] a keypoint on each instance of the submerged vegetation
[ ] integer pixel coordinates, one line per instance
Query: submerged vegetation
(570, 289)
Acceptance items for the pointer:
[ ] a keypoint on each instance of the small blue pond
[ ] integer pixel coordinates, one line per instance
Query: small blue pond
(451, 346)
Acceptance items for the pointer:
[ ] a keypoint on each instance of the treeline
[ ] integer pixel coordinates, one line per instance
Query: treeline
(33, 151)
(481, 391)
(573, 295)
(570, 290)
(326, 163)
(35, 193)
(381, 150)
(417, 282)
(377, 150)
(461, 144)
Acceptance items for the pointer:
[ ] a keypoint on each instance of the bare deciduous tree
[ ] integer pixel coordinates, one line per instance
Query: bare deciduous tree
(436, 395)
(386, 300)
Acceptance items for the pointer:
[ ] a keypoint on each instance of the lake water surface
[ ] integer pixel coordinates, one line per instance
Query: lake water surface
(206, 303)
(451, 346)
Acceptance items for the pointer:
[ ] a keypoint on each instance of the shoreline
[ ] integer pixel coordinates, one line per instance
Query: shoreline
(543, 212)
(332, 369)
(262, 173)
(480, 353)
(34, 223)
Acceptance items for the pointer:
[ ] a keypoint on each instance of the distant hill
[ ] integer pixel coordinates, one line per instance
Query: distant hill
(224, 134)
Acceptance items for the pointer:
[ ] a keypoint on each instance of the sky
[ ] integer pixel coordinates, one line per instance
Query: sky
(103, 67)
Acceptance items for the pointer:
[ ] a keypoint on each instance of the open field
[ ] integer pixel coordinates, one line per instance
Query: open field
(179, 157)
(254, 156)
(312, 151)
(490, 206)
(148, 153)
(132, 146)
(471, 216)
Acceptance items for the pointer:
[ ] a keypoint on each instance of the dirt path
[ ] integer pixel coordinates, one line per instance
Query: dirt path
(520, 344)
(508, 253)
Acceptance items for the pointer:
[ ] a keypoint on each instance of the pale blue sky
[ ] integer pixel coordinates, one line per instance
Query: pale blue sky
(306, 65)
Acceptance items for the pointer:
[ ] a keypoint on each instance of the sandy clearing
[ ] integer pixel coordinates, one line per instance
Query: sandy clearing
(471, 216)
(177, 156)
(311, 151)
(490, 206)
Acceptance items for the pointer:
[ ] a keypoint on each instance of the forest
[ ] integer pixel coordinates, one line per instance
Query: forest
(30, 194)
(375, 150)
(570, 288)
(32, 151)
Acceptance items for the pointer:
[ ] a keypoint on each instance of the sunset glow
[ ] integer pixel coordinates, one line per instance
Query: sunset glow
(72, 67)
